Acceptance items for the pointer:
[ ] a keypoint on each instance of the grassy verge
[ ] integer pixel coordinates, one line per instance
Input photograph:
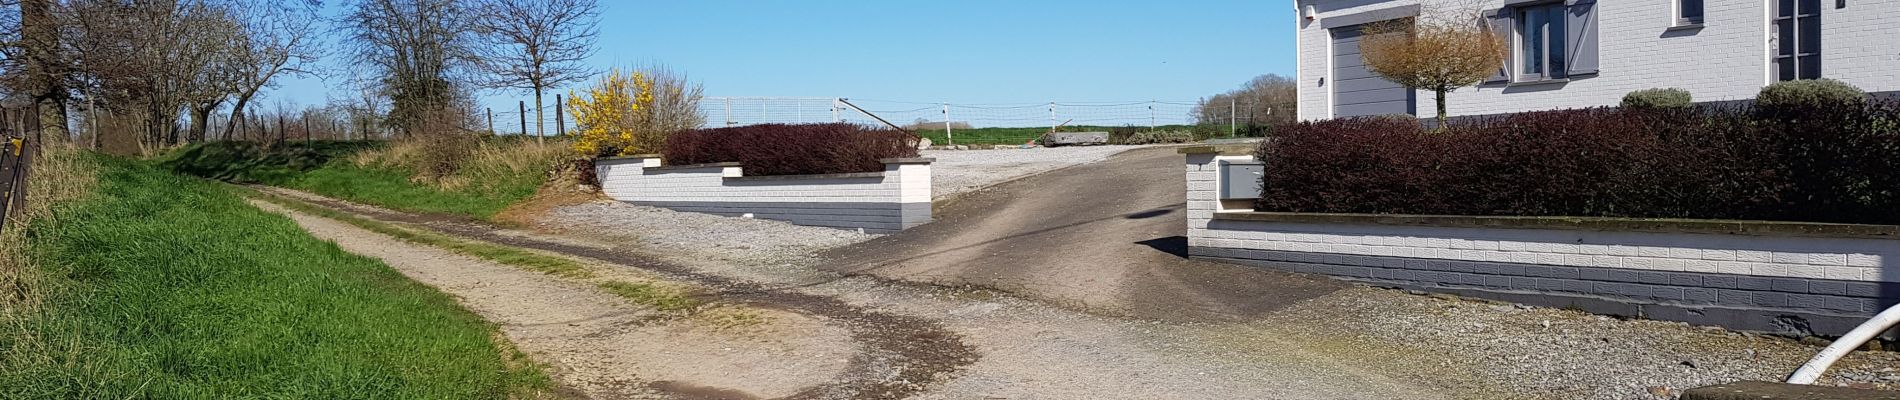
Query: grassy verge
(660, 298)
(484, 176)
(161, 286)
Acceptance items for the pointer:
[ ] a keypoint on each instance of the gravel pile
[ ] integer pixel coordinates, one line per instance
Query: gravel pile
(705, 235)
(958, 171)
(1560, 353)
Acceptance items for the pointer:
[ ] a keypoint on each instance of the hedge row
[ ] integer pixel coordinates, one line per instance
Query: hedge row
(1821, 162)
(792, 149)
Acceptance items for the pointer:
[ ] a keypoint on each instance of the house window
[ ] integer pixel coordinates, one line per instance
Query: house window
(1797, 40)
(1688, 12)
(1540, 42)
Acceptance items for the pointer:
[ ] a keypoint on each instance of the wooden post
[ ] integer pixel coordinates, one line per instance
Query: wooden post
(524, 117)
(560, 120)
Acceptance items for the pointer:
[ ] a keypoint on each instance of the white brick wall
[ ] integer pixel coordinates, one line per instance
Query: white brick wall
(876, 203)
(1725, 60)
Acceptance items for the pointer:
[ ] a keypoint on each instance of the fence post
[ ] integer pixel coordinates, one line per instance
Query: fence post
(560, 119)
(834, 111)
(728, 111)
(947, 136)
(1151, 115)
(524, 119)
(1052, 116)
(491, 120)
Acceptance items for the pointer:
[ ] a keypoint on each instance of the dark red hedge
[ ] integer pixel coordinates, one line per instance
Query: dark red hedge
(792, 149)
(1820, 164)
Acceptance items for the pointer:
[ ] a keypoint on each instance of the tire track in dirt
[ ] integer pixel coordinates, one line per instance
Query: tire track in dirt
(899, 355)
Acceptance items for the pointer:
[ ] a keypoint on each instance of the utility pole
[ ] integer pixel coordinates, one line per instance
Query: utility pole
(1233, 119)
(947, 136)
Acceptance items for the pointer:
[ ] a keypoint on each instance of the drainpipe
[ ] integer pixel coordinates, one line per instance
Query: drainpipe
(1853, 339)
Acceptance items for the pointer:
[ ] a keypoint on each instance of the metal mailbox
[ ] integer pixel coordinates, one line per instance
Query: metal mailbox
(1240, 179)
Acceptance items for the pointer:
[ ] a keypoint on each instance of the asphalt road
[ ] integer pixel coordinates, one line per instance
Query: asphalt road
(1108, 236)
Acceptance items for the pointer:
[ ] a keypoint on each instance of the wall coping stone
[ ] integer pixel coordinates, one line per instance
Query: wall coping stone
(692, 166)
(1224, 150)
(1663, 225)
(627, 157)
(846, 175)
(912, 160)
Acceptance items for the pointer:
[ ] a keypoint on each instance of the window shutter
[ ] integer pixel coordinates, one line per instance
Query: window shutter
(1580, 33)
(1500, 22)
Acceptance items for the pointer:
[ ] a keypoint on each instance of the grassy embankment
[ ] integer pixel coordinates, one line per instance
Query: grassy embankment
(158, 285)
(483, 179)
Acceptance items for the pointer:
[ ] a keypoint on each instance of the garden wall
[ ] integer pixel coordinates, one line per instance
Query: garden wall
(1785, 277)
(877, 202)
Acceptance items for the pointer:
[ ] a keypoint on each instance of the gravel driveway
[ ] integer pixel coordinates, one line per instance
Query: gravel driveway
(959, 171)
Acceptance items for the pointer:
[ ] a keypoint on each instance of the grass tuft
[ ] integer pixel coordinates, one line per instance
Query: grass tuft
(660, 298)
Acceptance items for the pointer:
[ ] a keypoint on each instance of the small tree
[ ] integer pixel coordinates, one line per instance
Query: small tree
(1445, 48)
(535, 45)
(633, 112)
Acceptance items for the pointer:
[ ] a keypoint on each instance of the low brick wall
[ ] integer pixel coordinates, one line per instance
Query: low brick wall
(878, 202)
(1795, 278)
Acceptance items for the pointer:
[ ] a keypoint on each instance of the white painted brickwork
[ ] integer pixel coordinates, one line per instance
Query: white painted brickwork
(1727, 59)
(891, 200)
(1767, 256)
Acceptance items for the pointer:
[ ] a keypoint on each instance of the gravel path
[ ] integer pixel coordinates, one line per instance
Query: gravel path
(959, 171)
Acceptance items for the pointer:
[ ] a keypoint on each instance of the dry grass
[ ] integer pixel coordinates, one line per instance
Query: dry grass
(60, 173)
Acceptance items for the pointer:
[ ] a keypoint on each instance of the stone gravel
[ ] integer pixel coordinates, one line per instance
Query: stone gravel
(959, 171)
(748, 240)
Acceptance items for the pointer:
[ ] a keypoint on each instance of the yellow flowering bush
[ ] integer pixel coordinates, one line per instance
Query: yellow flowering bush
(613, 117)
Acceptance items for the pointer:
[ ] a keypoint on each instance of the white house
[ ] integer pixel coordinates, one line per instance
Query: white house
(1584, 53)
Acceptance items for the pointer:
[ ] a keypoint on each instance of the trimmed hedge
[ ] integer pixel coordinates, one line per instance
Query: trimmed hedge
(1658, 98)
(792, 149)
(1798, 95)
(1808, 162)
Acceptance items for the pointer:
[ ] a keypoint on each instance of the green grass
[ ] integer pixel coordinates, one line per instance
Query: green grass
(663, 299)
(1012, 136)
(551, 265)
(392, 188)
(162, 286)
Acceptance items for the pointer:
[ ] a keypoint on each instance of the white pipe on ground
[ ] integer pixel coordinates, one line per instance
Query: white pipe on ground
(1853, 339)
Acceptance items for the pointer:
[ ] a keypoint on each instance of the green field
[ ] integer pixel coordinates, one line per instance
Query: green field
(163, 286)
(1016, 136)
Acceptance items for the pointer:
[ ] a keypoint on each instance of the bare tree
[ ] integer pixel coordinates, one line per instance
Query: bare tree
(36, 64)
(417, 49)
(278, 39)
(675, 100)
(535, 45)
(1445, 48)
(1265, 99)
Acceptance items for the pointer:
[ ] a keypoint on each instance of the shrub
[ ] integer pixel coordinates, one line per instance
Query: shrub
(1804, 94)
(1834, 164)
(633, 112)
(1155, 137)
(1658, 98)
(792, 149)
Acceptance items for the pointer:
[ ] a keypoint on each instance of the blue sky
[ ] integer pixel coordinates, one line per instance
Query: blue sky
(967, 52)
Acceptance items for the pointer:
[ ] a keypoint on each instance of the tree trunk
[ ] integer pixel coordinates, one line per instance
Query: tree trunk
(538, 131)
(237, 110)
(200, 116)
(1441, 107)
